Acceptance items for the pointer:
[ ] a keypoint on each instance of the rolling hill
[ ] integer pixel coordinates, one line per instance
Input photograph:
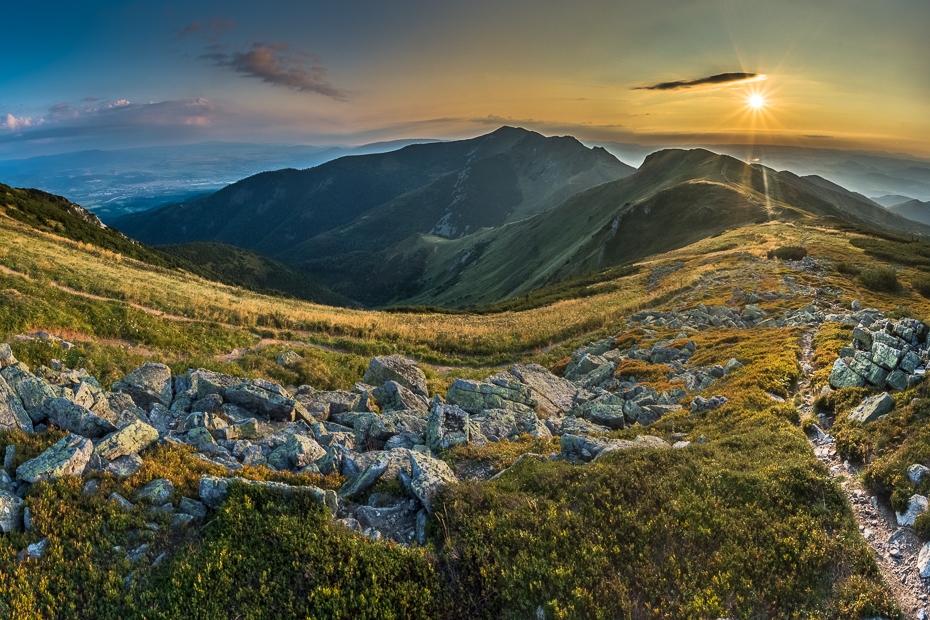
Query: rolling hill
(913, 210)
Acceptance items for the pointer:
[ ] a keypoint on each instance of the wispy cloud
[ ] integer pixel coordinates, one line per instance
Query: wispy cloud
(278, 64)
(67, 120)
(721, 79)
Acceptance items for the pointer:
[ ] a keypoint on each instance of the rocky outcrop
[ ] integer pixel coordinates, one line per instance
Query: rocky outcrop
(214, 490)
(883, 353)
(497, 393)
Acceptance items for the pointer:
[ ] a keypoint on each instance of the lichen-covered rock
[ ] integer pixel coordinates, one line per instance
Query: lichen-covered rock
(205, 382)
(6, 356)
(872, 408)
(287, 358)
(475, 397)
(497, 424)
(917, 472)
(68, 457)
(555, 396)
(72, 417)
(373, 429)
(897, 380)
(147, 385)
(213, 490)
(843, 376)
(447, 426)
(192, 507)
(296, 452)
(585, 363)
(397, 368)
(12, 414)
(885, 356)
(586, 448)
(395, 397)
(266, 403)
(609, 415)
(156, 492)
(35, 395)
(11, 513)
(367, 468)
(427, 477)
(130, 439)
(121, 467)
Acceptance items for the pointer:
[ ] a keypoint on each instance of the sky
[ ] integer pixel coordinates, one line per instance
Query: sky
(851, 74)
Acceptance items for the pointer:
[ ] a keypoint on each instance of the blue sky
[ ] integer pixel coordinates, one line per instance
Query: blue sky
(843, 73)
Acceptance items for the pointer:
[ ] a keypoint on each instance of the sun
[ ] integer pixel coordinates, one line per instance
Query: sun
(756, 102)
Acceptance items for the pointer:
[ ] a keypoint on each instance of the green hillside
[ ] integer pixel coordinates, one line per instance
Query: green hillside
(232, 265)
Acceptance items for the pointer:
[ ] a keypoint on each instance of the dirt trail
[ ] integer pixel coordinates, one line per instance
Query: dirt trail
(895, 548)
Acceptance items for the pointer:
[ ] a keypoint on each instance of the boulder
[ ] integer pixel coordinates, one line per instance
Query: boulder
(885, 356)
(35, 395)
(475, 397)
(266, 403)
(447, 426)
(156, 492)
(609, 415)
(584, 448)
(296, 452)
(72, 417)
(205, 382)
(872, 408)
(897, 380)
(130, 439)
(213, 490)
(915, 505)
(427, 477)
(68, 457)
(11, 513)
(287, 358)
(397, 368)
(147, 385)
(917, 472)
(554, 395)
(585, 363)
(910, 362)
(13, 415)
(122, 467)
(395, 397)
(368, 468)
(373, 430)
(6, 356)
(843, 376)
(923, 561)
(192, 507)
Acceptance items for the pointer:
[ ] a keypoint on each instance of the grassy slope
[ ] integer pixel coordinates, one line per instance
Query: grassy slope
(647, 533)
(256, 272)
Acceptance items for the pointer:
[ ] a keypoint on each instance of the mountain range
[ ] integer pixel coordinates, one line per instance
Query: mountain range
(473, 222)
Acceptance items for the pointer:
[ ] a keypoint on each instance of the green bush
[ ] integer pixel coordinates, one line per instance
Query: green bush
(922, 525)
(922, 284)
(788, 252)
(880, 279)
(847, 269)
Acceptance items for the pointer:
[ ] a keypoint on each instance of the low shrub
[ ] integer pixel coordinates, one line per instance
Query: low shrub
(880, 279)
(921, 284)
(847, 269)
(788, 252)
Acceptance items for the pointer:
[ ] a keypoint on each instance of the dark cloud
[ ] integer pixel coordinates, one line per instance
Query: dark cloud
(276, 63)
(721, 79)
(92, 99)
(211, 30)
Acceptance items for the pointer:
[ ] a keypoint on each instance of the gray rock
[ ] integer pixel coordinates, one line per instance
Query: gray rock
(843, 376)
(732, 365)
(585, 363)
(885, 356)
(427, 477)
(872, 408)
(475, 397)
(213, 490)
(395, 397)
(287, 358)
(296, 452)
(448, 426)
(122, 467)
(910, 362)
(897, 379)
(915, 505)
(584, 448)
(122, 501)
(35, 395)
(130, 439)
(611, 416)
(917, 472)
(147, 385)
(68, 457)
(374, 430)
(923, 561)
(11, 513)
(554, 395)
(156, 492)
(871, 372)
(192, 507)
(77, 419)
(266, 403)
(12, 414)
(9, 456)
(6, 356)
(397, 368)
(375, 469)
